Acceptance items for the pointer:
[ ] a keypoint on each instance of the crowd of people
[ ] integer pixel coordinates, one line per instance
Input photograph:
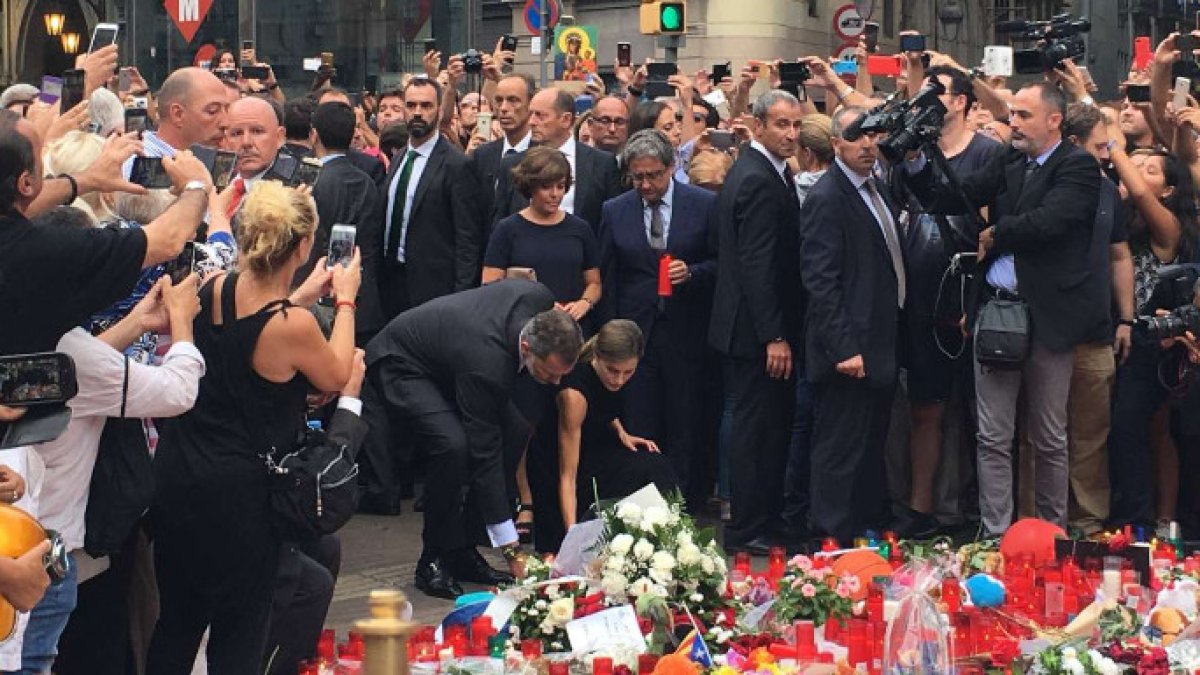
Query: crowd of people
(720, 291)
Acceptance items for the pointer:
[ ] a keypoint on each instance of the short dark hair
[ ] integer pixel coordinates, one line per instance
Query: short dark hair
(16, 158)
(553, 332)
(645, 116)
(392, 138)
(297, 118)
(541, 166)
(1081, 120)
(564, 102)
(336, 91)
(960, 84)
(530, 85)
(334, 123)
(1051, 96)
(392, 93)
(421, 81)
(712, 119)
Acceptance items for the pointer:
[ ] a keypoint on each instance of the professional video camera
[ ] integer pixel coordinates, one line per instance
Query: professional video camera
(1058, 39)
(1174, 291)
(909, 124)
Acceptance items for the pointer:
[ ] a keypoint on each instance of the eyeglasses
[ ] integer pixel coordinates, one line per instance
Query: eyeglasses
(610, 121)
(648, 177)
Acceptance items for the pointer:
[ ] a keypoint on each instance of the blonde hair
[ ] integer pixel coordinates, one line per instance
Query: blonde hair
(709, 167)
(273, 221)
(73, 153)
(816, 134)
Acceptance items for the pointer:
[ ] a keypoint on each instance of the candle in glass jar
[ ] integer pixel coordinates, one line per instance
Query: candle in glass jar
(1111, 580)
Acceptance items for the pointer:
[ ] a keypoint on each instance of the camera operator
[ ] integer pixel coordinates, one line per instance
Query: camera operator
(54, 278)
(1041, 199)
(932, 374)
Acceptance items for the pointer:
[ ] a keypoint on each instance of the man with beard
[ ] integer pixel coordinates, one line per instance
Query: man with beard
(511, 103)
(191, 110)
(256, 134)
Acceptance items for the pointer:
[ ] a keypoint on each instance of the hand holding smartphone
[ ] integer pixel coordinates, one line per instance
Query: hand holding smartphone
(341, 246)
(103, 35)
(624, 54)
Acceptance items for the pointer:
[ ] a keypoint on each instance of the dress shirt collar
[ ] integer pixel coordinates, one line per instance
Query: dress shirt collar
(667, 199)
(855, 178)
(568, 148)
(521, 146)
(330, 157)
(426, 149)
(779, 164)
(1041, 159)
(156, 146)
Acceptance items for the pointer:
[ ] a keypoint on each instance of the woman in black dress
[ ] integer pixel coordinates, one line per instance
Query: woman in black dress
(215, 548)
(553, 247)
(596, 456)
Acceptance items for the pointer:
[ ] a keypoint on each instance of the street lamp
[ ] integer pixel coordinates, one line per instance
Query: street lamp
(55, 20)
(70, 43)
(951, 18)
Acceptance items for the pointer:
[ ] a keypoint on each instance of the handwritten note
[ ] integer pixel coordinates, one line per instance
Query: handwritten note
(616, 627)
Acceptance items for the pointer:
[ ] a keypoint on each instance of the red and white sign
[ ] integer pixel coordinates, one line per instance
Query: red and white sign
(845, 51)
(847, 22)
(411, 27)
(204, 55)
(187, 15)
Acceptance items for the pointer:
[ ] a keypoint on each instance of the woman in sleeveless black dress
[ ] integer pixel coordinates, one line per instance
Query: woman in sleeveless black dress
(596, 456)
(215, 549)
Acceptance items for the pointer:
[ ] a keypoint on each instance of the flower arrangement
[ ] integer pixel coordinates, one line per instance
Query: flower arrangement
(1072, 659)
(656, 549)
(545, 607)
(808, 593)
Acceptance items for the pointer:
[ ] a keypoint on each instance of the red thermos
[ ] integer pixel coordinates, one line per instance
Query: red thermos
(664, 275)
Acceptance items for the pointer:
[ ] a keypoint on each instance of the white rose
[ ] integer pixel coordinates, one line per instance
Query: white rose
(540, 604)
(552, 591)
(684, 538)
(673, 517)
(706, 564)
(663, 561)
(641, 586)
(643, 550)
(690, 555)
(661, 576)
(613, 585)
(1073, 666)
(719, 561)
(653, 517)
(562, 611)
(660, 591)
(621, 544)
(697, 597)
(630, 513)
(615, 563)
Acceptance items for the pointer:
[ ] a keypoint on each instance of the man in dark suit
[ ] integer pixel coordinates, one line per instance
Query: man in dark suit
(433, 239)
(665, 398)
(448, 369)
(756, 318)
(372, 166)
(594, 175)
(1041, 198)
(853, 269)
(346, 196)
(511, 108)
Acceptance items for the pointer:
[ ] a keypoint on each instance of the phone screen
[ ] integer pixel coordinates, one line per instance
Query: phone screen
(624, 54)
(72, 89)
(509, 43)
(51, 90)
(1185, 44)
(341, 245)
(184, 264)
(721, 140)
(256, 72)
(222, 168)
(1138, 93)
(307, 172)
(104, 35)
(1183, 87)
(30, 379)
(149, 173)
(871, 36)
(661, 71)
(720, 71)
(912, 43)
(136, 120)
(283, 168)
(247, 45)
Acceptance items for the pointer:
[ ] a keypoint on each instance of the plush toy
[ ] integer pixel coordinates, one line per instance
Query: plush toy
(1031, 537)
(985, 590)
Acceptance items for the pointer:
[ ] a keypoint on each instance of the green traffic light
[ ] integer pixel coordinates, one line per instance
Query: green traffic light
(672, 17)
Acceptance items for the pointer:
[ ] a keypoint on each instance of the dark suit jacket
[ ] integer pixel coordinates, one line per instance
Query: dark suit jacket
(596, 181)
(348, 429)
(1046, 225)
(758, 295)
(629, 267)
(466, 345)
(851, 285)
(372, 166)
(485, 161)
(347, 196)
(444, 249)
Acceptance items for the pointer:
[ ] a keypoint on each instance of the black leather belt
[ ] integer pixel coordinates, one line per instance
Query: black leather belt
(1000, 293)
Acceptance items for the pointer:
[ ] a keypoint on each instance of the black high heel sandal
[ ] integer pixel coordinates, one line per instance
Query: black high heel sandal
(524, 529)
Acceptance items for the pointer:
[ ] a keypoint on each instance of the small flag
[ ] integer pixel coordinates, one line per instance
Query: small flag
(693, 645)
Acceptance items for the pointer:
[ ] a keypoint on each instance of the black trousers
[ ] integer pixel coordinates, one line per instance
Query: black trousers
(664, 402)
(759, 448)
(1137, 395)
(308, 572)
(848, 487)
(96, 639)
(385, 460)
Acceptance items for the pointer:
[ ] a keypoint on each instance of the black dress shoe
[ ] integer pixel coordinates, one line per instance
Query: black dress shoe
(379, 505)
(433, 580)
(469, 565)
(913, 524)
(756, 546)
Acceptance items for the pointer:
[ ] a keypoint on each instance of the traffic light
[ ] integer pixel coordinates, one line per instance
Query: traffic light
(664, 18)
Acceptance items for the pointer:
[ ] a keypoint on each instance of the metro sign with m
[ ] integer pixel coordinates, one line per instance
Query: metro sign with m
(188, 15)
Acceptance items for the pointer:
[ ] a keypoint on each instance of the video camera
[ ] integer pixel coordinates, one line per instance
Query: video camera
(1175, 291)
(909, 124)
(1059, 39)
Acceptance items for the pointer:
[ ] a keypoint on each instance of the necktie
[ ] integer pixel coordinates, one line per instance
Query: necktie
(658, 242)
(510, 151)
(892, 239)
(397, 228)
(239, 191)
(1031, 168)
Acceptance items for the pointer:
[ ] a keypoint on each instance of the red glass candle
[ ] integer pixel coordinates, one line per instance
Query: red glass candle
(951, 594)
(531, 648)
(741, 561)
(664, 276)
(829, 544)
(602, 665)
(858, 651)
(646, 663)
(560, 668)
(833, 630)
(875, 601)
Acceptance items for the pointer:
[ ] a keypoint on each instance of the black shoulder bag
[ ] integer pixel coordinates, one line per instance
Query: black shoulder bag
(122, 482)
(1002, 334)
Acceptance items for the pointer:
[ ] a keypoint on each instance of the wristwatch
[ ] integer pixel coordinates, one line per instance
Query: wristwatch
(195, 185)
(1125, 322)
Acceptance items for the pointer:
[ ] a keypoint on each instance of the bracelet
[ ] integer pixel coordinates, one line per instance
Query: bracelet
(345, 303)
(1126, 322)
(845, 93)
(74, 188)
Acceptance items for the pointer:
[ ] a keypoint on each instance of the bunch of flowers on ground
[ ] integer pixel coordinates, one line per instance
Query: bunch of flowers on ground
(545, 605)
(811, 594)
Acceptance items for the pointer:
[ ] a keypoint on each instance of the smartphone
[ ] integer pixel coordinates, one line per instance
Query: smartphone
(912, 43)
(508, 43)
(1183, 87)
(33, 379)
(371, 85)
(103, 35)
(1138, 93)
(794, 72)
(884, 66)
(656, 89)
(283, 168)
(184, 264)
(327, 59)
(149, 173)
(584, 103)
(1185, 43)
(72, 89)
(1142, 54)
(998, 61)
(721, 140)
(430, 45)
(222, 168)
(124, 79)
(341, 246)
(136, 120)
(483, 125)
(308, 170)
(51, 90)
(720, 71)
(659, 72)
(355, 99)
(871, 36)
(624, 54)
(226, 74)
(256, 72)
(527, 273)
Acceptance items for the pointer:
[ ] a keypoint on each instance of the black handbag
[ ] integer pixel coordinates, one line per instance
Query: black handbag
(1002, 334)
(122, 484)
(313, 488)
